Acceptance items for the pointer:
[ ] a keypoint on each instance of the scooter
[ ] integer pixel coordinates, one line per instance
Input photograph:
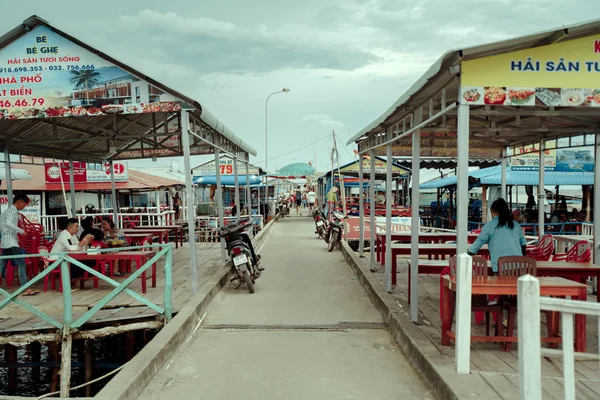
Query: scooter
(244, 268)
(335, 231)
(320, 222)
(284, 209)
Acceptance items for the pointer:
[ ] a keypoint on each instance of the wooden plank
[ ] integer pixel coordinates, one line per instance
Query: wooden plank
(500, 384)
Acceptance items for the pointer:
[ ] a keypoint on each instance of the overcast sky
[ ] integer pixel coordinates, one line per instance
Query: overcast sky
(345, 61)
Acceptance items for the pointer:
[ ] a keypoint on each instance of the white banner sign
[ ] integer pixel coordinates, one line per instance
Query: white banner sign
(33, 211)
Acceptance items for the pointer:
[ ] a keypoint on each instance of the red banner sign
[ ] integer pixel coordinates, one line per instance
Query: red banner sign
(83, 173)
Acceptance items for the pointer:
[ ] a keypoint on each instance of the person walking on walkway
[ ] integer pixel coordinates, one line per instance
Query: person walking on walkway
(311, 198)
(298, 197)
(9, 226)
(502, 234)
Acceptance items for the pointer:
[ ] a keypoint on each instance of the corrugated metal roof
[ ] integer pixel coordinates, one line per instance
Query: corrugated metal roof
(454, 57)
(18, 127)
(138, 181)
(493, 176)
(551, 178)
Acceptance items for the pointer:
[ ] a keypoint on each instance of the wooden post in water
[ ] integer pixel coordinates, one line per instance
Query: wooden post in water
(67, 338)
(65, 365)
(89, 365)
(129, 345)
(35, 349)
(10, 357)
(55, 357)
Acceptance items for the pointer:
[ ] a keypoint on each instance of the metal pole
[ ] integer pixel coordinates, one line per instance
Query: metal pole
(372, 226)
(189, 194)
(388, 219)
(361, 209)
(248, 197)
(541, 191)
(596, 206)
(72, 188)
(219, 200)
(415, 221)
(8, 177)
(503, 175)
(115, 203)
(237, 187)
(462, 192)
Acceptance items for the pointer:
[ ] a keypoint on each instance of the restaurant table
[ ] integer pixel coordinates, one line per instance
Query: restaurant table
(501, 286)
(405, 237)
(162, 234)
(435, 250)
(564, 269)
(139, 257)
(136, 239)
(178, 229)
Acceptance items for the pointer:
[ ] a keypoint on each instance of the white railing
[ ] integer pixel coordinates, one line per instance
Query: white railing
(530, 352)
(563, 243)
(213, 222)
(124, 220)
(587, 229)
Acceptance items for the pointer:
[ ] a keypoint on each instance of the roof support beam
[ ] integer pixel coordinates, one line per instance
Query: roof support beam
(554, 38)
(415, 127)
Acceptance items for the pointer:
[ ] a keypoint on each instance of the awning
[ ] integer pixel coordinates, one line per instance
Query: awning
(16, 174)
(446, 163)
(226, 180)
(493, 176)
(137, 181)
(531, 178)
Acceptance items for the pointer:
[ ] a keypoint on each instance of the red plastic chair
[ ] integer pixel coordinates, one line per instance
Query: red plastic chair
(43, 251)
(580, 252)
(544, 249)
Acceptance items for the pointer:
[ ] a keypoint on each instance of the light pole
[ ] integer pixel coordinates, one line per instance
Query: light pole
(284, 90)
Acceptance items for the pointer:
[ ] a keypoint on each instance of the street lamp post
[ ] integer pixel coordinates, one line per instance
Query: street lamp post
(284, 90)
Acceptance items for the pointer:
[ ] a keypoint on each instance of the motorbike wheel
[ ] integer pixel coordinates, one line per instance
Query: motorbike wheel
(248, 281)
(332, 241)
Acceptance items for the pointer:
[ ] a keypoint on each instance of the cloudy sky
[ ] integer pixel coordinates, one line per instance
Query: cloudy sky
(345, 61)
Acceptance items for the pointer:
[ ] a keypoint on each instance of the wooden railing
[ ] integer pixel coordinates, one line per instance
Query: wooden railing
(67, 327)
(530, 353)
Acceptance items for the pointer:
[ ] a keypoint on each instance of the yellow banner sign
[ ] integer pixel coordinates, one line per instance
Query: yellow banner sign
(563, 74)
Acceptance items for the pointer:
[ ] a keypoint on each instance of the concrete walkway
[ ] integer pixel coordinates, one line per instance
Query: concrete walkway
(309, 332)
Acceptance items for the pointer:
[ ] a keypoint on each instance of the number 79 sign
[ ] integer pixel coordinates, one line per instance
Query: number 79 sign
(226, 169)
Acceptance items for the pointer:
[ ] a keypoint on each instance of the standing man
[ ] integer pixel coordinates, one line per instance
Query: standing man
(9, 226)
(298, 197)
(311, 197)
(176, 206)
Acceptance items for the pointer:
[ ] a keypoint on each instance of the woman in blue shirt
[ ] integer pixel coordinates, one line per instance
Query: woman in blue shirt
(503, 236)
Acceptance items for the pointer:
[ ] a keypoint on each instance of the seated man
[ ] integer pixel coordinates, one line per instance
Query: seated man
(68, 241)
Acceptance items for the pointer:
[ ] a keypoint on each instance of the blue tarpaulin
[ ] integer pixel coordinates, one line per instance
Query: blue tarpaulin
(226, 180)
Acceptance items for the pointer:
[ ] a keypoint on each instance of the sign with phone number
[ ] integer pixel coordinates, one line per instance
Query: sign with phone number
(43, 74)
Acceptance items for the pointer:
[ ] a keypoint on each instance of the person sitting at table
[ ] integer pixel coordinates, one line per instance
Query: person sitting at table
(502, 234)
(68, 241)
(88, 229)
(110, 229)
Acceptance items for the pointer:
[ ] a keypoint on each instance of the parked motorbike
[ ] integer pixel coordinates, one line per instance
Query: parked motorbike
(244, 268)
(284, 209)
(320, 221)
(335, 231)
